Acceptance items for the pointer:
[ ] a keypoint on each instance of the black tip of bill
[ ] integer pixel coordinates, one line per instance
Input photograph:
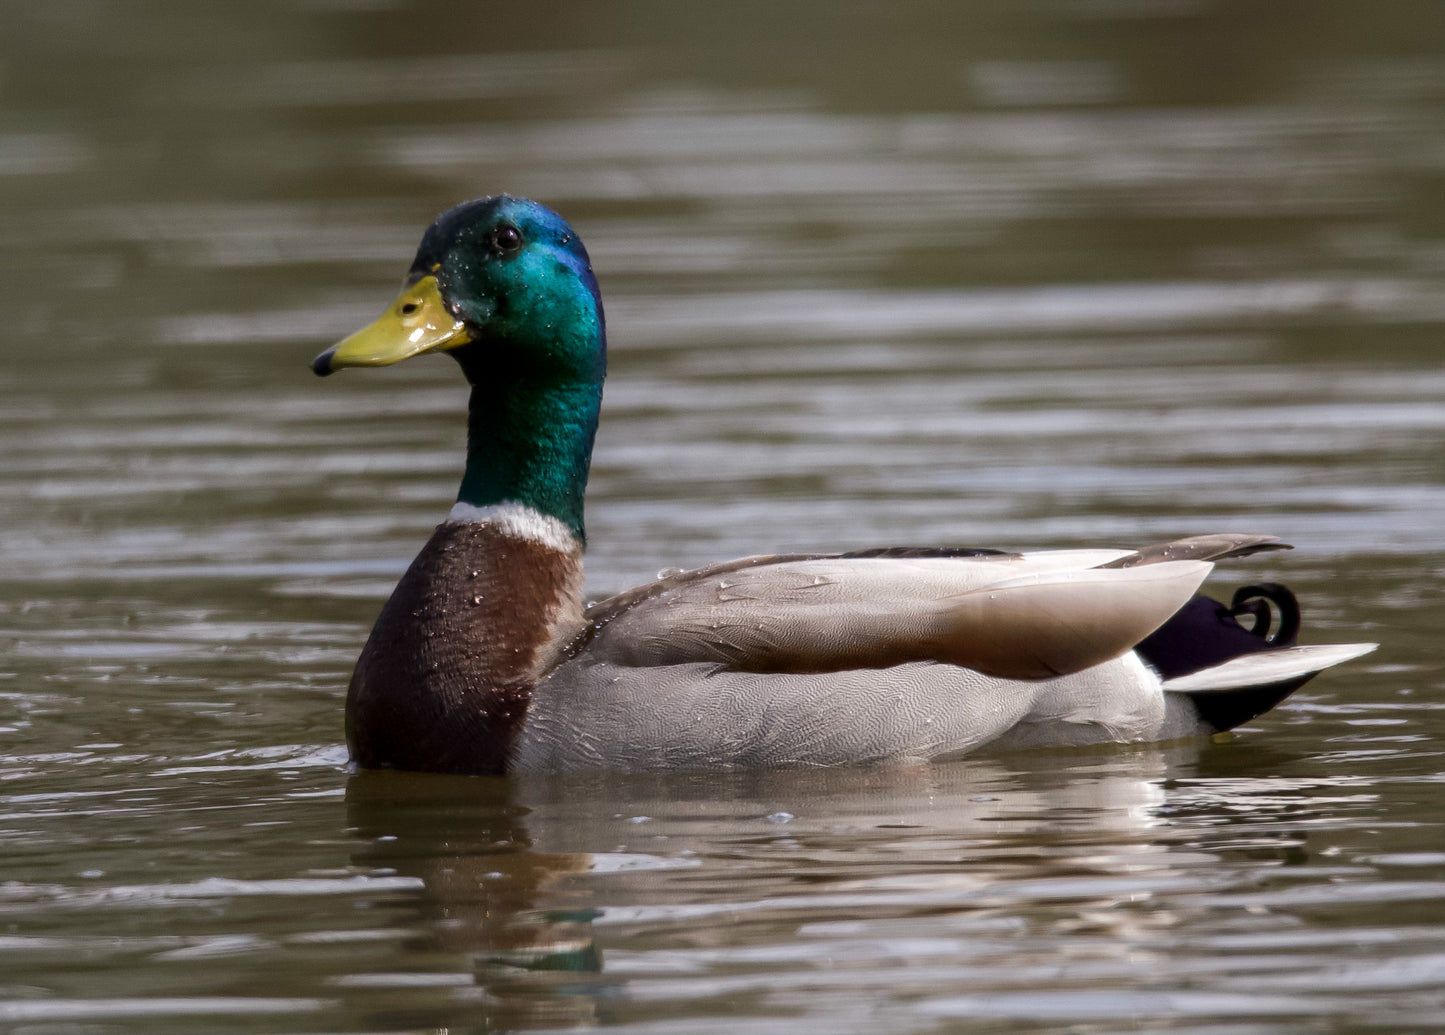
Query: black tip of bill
(321, 365)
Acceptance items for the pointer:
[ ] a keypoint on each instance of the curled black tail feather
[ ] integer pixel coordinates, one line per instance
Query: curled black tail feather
(1205, 633)
(1257, 600)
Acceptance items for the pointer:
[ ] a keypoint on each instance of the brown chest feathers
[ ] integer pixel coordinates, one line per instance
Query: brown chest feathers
(444, 681)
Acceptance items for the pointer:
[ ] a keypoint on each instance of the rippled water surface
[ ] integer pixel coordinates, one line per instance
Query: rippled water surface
(1075, 272)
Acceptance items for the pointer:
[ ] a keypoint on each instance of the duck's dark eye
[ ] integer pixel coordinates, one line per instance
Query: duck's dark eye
(506, 239)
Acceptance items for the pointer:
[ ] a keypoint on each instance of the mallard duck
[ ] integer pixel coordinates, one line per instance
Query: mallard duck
(486, 660)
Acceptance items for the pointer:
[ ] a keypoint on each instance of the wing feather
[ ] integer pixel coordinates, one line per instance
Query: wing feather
(1019, 616)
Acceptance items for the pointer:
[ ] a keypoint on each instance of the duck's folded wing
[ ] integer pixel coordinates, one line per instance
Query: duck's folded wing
(1025, 616)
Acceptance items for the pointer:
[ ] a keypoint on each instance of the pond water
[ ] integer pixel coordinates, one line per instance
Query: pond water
(1049, 274)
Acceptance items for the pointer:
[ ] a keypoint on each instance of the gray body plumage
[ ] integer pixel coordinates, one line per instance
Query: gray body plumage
(767, 664)
(701, 715)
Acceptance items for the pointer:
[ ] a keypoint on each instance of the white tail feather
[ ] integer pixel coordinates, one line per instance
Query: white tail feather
(1268, 667)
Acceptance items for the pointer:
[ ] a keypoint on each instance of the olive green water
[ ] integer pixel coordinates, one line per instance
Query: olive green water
(1051, 273)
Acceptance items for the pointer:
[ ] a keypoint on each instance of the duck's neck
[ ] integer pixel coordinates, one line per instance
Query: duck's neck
(530, 444)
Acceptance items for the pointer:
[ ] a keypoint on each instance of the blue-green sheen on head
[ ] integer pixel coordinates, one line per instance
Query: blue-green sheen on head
(516, 273)
(519, 278)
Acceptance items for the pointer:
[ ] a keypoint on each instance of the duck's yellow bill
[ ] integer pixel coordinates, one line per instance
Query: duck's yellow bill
(418, 321)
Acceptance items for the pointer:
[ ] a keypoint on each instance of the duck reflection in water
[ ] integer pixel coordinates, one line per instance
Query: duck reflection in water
(526, 881)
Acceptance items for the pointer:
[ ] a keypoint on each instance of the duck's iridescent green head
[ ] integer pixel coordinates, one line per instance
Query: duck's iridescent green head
(505, 287)
(501, 271)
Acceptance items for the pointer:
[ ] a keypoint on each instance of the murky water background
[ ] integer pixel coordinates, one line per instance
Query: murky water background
(1037, 274)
